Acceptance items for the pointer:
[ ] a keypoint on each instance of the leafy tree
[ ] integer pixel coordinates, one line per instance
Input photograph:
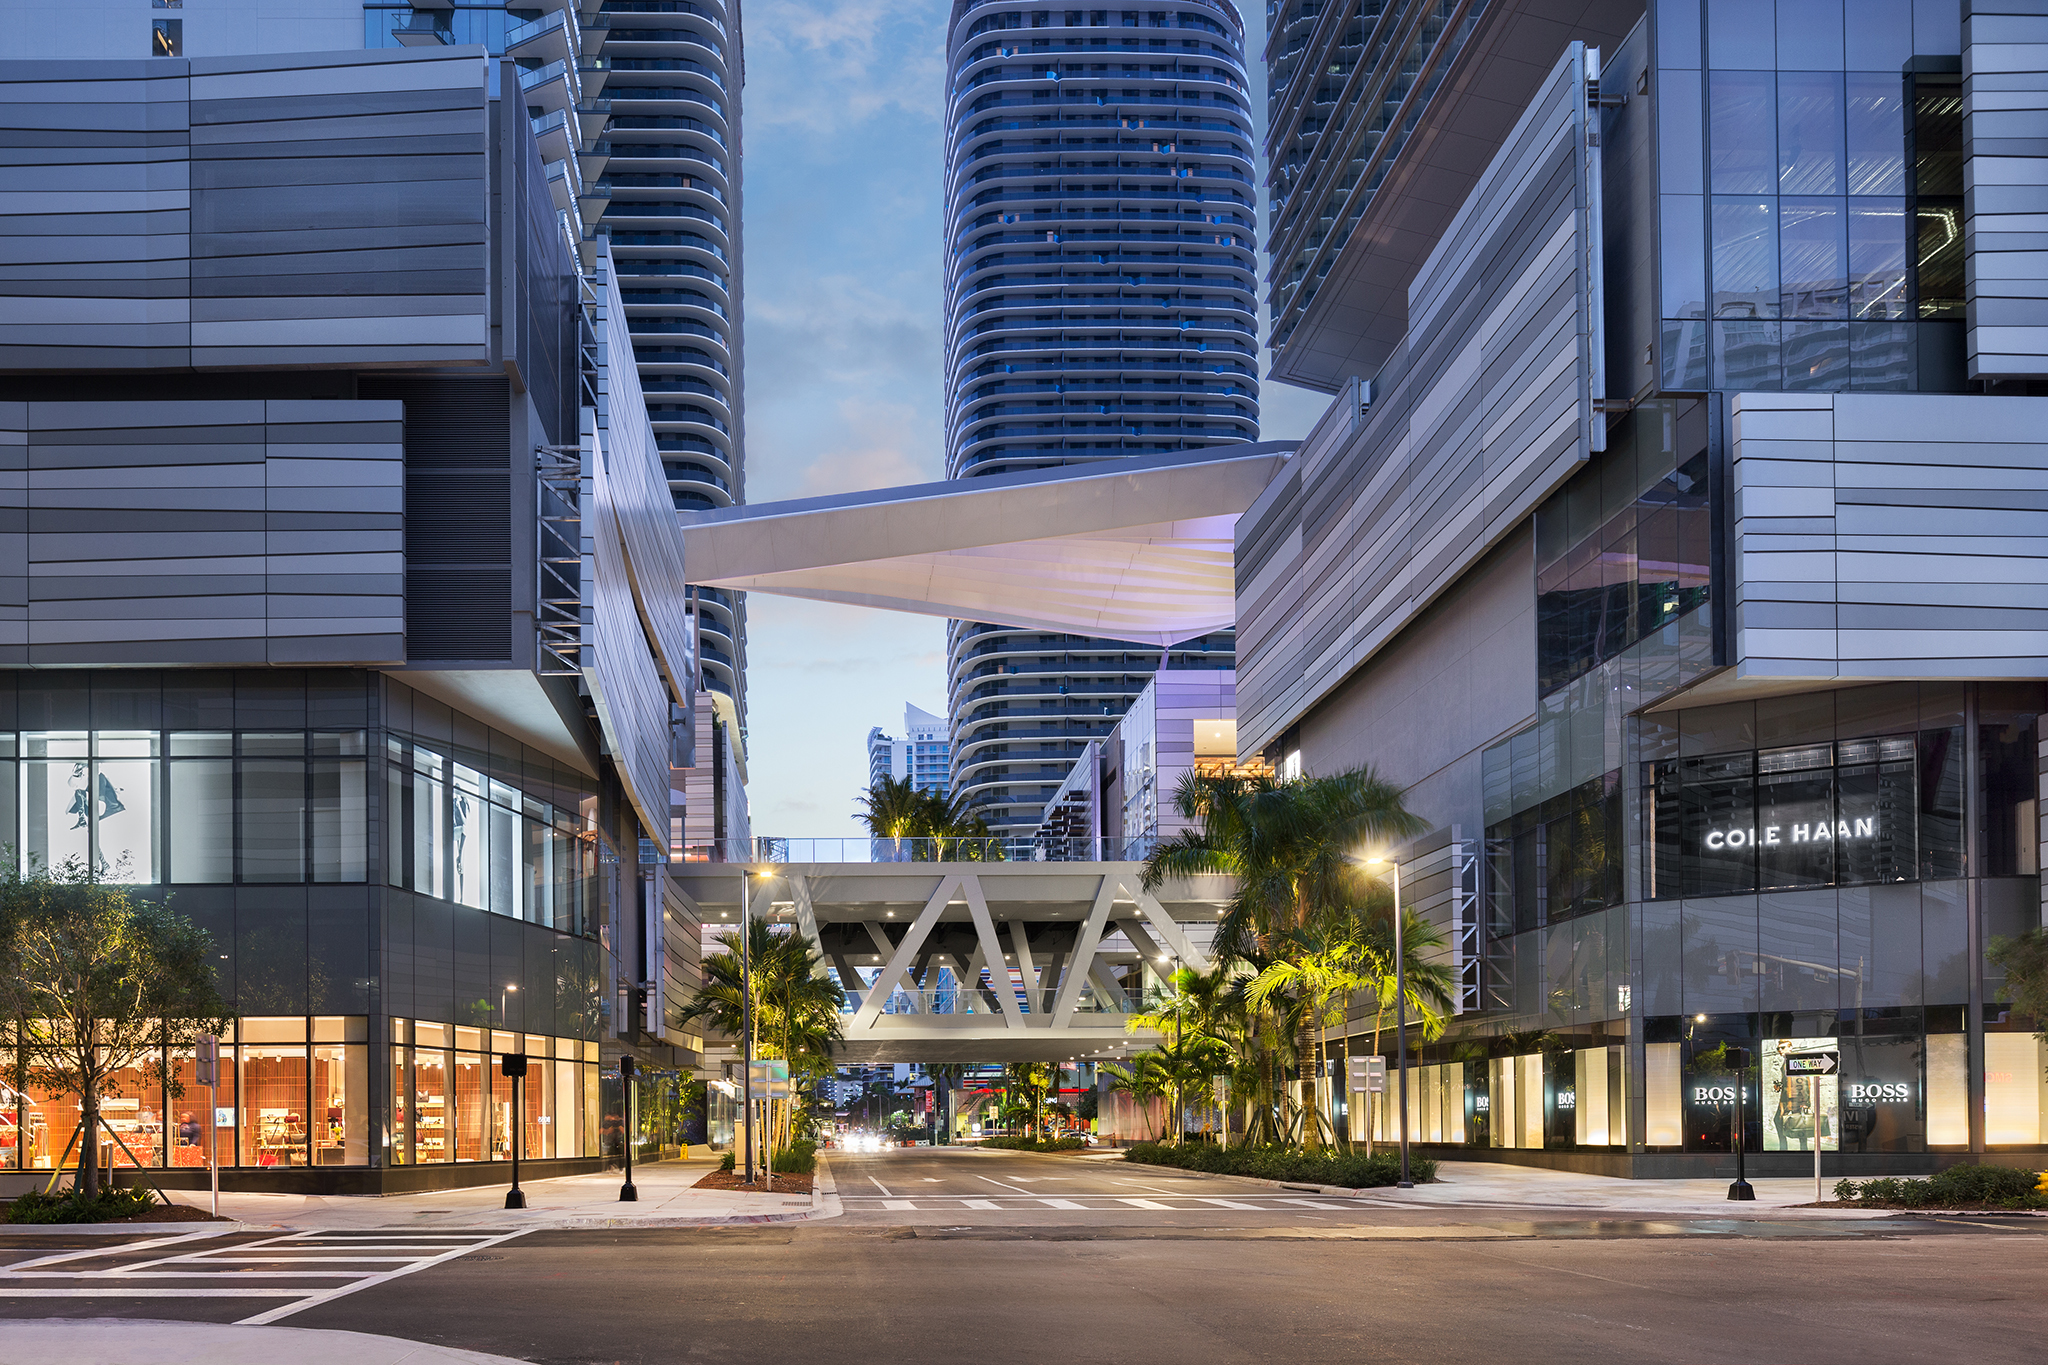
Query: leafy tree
(93, 982)
(1144, 1080)
(1293, 849)
(2025, 960)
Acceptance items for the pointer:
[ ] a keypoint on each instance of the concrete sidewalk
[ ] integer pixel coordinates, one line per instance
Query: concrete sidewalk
(128, 1341)
(577, 1201)
(1498, 1185)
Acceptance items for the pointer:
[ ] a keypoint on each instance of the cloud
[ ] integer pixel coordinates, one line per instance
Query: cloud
(823, 64)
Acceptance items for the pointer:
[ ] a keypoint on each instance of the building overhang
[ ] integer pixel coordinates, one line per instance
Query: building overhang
(1360, 313)
(1140, 549)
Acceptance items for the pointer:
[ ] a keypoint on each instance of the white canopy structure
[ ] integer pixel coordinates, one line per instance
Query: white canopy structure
(1131, 549)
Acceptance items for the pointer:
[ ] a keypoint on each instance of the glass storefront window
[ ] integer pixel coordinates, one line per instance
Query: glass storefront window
(398, 1138)
(274, 1100)
(432, 1106)
(131, 1106)
(341, 1075)
(471, 1093)
(2015, 1090)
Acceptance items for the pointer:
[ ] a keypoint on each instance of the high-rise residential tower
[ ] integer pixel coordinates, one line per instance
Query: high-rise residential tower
(1100, 259)
(921, 756)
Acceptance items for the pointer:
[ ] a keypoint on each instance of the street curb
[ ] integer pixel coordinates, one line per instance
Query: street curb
(121, 1229)
(825, 1201)
(1390, 1196)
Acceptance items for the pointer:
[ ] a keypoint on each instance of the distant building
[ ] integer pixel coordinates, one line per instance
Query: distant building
(1117, 802)
(925, 757)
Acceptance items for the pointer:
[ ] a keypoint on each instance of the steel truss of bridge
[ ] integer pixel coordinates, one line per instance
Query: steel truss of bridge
(980, 961)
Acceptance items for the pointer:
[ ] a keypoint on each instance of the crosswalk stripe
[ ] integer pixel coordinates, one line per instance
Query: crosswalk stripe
(1231, 1204)
(1313, 1204)
(898, 1204)
(1061, 1204)
(980, 1204)
(1143, 1203)
(145, 1292)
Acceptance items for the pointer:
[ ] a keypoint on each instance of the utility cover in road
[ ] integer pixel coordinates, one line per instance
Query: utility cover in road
(1812, 1063)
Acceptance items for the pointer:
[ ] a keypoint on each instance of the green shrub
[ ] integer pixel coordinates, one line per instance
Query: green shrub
(72, 1207)
(1967, 1186)
(727, 1162)
(1025, 1144)
(1351, 1170)
(801, 1158)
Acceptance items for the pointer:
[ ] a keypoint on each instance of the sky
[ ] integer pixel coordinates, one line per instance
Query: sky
(844, 168)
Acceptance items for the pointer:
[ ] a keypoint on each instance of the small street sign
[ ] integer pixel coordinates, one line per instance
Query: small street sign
(1368, 1075)
(1812, 1063)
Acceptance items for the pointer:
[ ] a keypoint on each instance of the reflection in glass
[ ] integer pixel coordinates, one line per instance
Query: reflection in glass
(1746, 355)
(1816, 356)
(1810, 132)
(1813, 251)
(1684, 265)
(1877, 259)
(1741, 132)
(1796, 828)
(1876, 133)
(1881, 356)
(1745, 258)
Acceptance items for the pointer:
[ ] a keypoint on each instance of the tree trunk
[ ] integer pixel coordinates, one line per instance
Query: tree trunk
(89, 1140)
(1311, 1103)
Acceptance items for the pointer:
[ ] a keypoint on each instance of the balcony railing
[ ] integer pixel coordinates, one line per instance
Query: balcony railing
(761, 852)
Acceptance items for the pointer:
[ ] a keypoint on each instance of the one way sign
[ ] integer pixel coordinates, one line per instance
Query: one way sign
(1812, 1063)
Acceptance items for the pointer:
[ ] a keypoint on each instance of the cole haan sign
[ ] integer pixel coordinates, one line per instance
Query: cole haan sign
(1775, 836)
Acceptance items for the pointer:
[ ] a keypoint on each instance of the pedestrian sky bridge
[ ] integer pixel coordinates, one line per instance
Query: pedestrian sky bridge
(973, 961)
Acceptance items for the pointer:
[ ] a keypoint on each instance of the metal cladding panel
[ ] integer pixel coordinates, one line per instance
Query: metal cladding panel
(625, 682)
(315, 209)
(645, 508)
(1889, 535)
(1483, 410)
(2005, 186)
(254, 532)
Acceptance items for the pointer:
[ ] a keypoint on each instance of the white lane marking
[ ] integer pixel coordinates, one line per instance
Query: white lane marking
(109, 1250)
(147, 1293)
(1231, 1203)
(1001, 1186)
(239, 1275)
(381, 1277)
(980, 1204)
(1312, 1204)
(929, 1180)
(878, 1185)
(1143, 1203)
(898, 1204)
(289, 1239)
(1061, 1204)
(299, 1260)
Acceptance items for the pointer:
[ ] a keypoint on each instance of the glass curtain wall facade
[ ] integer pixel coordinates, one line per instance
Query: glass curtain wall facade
(1808, 866)
(1100, 275)
(398, 895)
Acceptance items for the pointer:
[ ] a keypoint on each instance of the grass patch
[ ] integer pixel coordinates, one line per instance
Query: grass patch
(1351, 1170)
(1958, 1187)
(1027, 1144)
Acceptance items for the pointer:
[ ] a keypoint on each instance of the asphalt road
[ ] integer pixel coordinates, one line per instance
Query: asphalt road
(992, 1266)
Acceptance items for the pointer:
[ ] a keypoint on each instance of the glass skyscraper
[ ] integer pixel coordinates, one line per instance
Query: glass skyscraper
(1100, 258)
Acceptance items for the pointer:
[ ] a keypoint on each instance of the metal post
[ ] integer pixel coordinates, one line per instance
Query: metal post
(1742, 1189)
(1401, 1024)
(747, 1017)
(515, 1198)
(628, 1194)
(1813, 1094)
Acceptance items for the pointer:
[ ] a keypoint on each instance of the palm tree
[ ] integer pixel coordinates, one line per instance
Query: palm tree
(1293, 849)
(894, 809)
(795, 1006)
(1144, 1080)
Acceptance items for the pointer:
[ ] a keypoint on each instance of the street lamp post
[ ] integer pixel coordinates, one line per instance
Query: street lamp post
(747, 1020)
(509, 990)
(1400, 1017)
